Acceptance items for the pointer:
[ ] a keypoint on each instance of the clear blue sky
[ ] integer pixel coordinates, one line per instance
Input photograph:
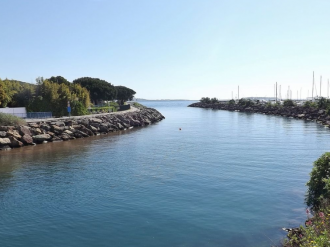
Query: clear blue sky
(170, 49)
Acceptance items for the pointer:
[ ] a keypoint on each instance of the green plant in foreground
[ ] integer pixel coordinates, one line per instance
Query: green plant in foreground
(8, 119)
(319, 183)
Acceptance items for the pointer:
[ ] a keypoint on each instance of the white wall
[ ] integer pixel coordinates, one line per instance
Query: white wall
(16, 111)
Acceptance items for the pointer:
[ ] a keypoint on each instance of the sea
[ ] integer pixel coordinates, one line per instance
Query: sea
(200, 177)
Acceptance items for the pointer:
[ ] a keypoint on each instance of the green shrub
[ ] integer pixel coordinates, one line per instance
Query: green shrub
(309, 104)
(205, 100)
(8, 119)
(245, 102)
(139, 106)
(231, 102)
(319, 183)
(288, 102)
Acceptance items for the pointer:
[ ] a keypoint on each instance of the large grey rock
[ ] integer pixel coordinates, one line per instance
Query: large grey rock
(41, 138)
(104, 128)
(95, 120)
(3, 134)
(58, 123)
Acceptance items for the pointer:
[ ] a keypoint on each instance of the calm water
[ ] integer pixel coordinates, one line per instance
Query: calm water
(226, 179)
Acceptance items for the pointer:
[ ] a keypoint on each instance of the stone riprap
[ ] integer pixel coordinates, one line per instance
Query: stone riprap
(299, 112)
(64, 129)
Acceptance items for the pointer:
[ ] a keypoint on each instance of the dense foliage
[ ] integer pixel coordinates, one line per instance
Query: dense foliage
(317, 227)
(59, 80)
(54, 97)
(100, 90)
(15, 93)
(53, 94)
(319, 183)
(124, 94)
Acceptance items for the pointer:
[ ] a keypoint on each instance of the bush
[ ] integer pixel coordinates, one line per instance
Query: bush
(288, 102)
(245, 102)
(309, 104)
(319, 183)
(214, 100)
(231, 102)
(323, 103)
(8, 119)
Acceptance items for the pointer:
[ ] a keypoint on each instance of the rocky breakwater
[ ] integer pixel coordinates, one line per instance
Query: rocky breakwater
(64, 129)
(299, 112)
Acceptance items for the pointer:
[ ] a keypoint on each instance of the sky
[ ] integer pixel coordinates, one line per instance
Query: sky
(171, 49)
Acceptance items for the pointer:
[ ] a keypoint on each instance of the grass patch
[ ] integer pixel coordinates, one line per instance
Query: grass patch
(113, 106)
(139, 106)
(8, 119)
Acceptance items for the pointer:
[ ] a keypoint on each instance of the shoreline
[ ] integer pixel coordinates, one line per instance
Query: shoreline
(41, 131)
(298, 112)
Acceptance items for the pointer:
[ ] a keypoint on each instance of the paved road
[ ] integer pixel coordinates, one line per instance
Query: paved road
(133, 109)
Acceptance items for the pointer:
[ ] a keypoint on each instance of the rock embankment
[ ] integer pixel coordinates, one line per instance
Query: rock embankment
(299, 112)
(65, 129)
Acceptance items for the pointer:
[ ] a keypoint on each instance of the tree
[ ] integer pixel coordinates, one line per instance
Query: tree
(3, 96)
(59, 80)
(54, 97)
(205, 100)
(319, 182)
(214, 100)
(124, 94)
(99, 89)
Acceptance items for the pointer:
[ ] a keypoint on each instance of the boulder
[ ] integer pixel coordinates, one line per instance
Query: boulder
(24, 130)
(34, 125)
(41, 138)
(95, 120)
(58, 123)
(57, 129)
(37, 131)
(4, 141)
(120, 126)
(104, 128)
(65, 137)
(15, 143)
(14, 133)
(27, 140)
(6, 128)
(3, 134)
(56, 139)
(68, 132)
(92, 128)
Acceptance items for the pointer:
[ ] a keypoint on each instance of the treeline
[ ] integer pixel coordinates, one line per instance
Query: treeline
(54, 93)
